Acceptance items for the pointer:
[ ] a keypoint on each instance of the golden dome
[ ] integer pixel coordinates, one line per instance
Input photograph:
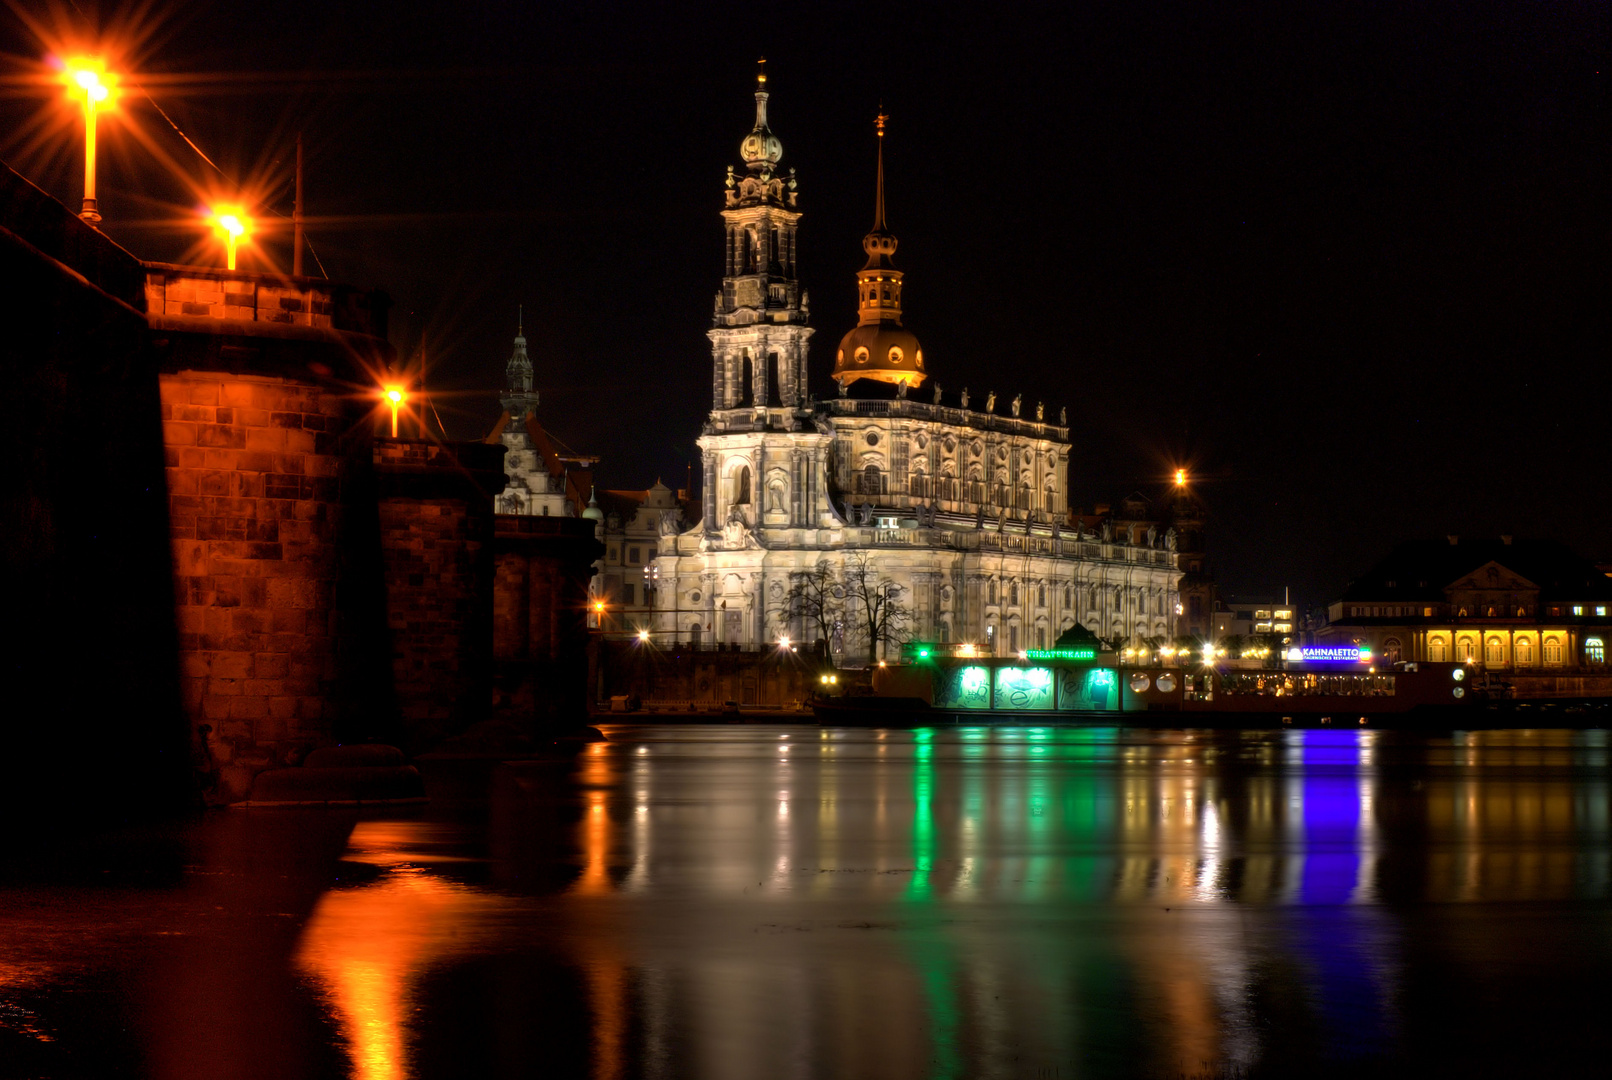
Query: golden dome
(885, 351)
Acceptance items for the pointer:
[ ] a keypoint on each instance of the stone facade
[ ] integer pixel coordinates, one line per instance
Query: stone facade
(963, 511)
(543, 567)
(254, 514)
(436, 532)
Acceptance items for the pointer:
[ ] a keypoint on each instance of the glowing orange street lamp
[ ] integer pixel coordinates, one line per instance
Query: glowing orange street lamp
(235, 225)
(394, 395)
(89, 78)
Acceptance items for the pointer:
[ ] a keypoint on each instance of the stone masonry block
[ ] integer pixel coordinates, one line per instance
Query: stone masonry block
(178, 434)
(265, 438)
(201, 393)
(233, 666)
(248, 708)
(221, 436)
(272, 665)
(217, 687)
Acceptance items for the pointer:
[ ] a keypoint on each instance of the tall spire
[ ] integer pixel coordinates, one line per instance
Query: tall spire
(878, 201)
(880, 244)
(879, 348)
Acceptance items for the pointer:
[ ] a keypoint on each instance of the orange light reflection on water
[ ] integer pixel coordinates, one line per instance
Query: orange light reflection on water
(368, 946)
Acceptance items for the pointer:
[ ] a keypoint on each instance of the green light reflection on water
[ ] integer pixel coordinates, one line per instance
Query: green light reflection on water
(931, 956)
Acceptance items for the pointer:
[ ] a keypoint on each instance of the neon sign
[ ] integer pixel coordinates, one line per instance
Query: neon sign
(1349, 654)
(1083, 653)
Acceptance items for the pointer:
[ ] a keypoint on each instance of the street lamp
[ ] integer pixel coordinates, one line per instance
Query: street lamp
(88, 77)
(643, 635)
(236, 226)
(394, 394)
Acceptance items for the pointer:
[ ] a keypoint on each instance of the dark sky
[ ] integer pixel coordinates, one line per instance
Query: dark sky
(1347, 262)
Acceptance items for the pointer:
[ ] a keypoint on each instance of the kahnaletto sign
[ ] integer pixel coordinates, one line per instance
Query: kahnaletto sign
(1334, 654)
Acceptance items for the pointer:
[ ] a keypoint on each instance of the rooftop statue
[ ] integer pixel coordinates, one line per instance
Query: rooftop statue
(1018, 400)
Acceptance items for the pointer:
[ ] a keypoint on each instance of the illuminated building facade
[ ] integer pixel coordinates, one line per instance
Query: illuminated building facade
(546, 478)
(1511, 605)
(962, 511)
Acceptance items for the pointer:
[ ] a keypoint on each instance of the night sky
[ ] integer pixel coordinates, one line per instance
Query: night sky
(1345, 262)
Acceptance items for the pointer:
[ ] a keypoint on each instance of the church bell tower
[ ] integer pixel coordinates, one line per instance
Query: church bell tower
(759, 328)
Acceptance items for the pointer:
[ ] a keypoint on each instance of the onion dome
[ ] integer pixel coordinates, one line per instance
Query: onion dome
(761, 148)
(593, 513)
(879, 347)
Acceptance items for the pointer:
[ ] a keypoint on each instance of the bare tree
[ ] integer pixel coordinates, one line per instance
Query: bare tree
(815, 600)
(872, 605)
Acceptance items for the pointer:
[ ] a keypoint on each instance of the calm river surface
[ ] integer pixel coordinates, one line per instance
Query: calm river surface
(756, 902)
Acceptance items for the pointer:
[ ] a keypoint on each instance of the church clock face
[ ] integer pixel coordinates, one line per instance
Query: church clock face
(747, 294)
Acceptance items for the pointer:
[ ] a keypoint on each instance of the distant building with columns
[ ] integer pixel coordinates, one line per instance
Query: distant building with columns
(961, 511)
(1509, 604)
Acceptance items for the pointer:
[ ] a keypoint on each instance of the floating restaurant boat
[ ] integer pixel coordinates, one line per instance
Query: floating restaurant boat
(1042, 685)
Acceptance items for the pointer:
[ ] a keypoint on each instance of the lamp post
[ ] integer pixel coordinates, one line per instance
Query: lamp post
(235, 226)
(394, 394)
(86, 77)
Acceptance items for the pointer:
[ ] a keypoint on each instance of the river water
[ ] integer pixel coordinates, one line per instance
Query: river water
(757, 902)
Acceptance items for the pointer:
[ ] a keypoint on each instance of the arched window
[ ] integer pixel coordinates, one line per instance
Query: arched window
(1013, 593)
(992, 600)
(1435, 650)
(1463, 650)
(1553, 650)
(871, 483)
(1041, 598)
(1068, 596)
(1494, 651)
(1524, 650)
(741, 487)
(1391, 651)
(1594, 651)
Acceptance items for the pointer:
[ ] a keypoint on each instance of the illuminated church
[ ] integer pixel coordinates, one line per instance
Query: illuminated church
(962, 510)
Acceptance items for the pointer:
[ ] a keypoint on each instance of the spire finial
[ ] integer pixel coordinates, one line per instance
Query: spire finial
(520, 320)
(878, 205)
(761, 73)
